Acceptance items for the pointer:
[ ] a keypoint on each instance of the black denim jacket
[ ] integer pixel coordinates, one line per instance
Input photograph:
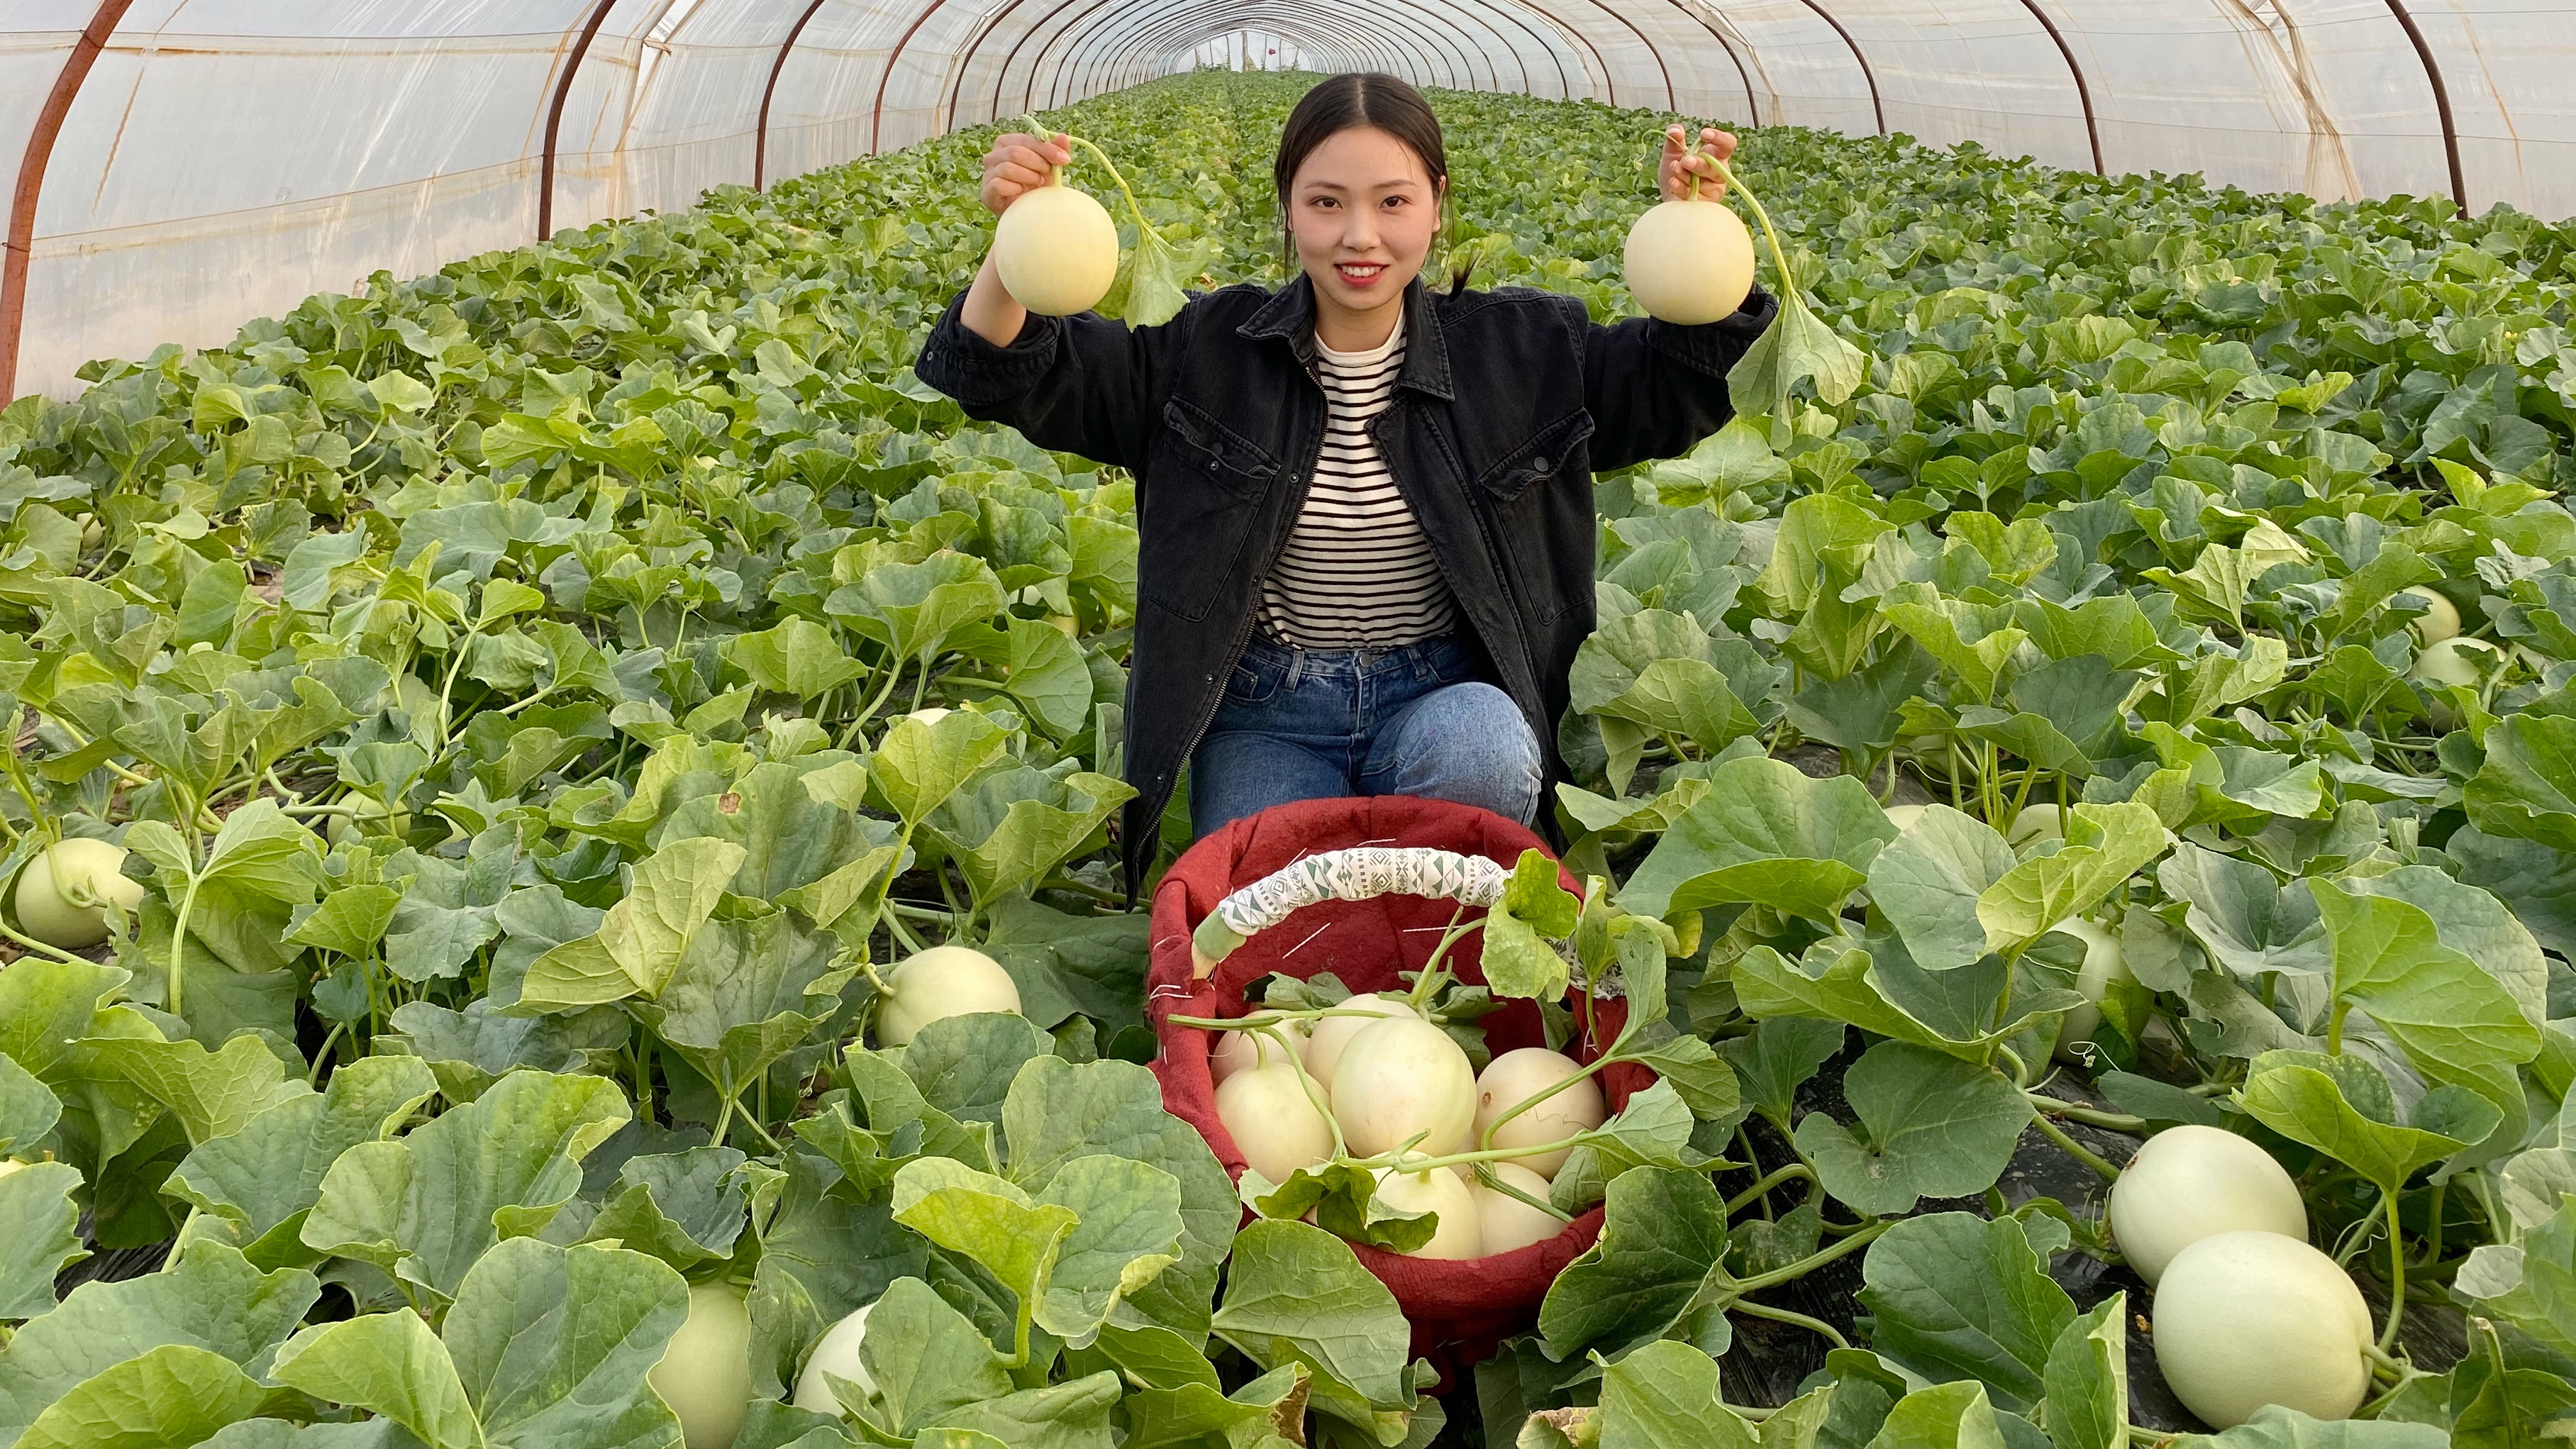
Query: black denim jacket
(1507, 403)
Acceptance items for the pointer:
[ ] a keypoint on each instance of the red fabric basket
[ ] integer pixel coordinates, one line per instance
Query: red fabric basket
(1459, 1310)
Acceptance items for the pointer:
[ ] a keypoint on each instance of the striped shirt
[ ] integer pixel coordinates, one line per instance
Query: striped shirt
(1357, 572)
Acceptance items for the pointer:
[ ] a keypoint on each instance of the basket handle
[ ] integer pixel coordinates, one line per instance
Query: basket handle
(1360, 873)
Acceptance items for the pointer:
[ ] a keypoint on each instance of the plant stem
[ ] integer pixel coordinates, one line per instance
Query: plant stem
(1486, 1138)
(1790, 1173)
(323, 1053)
(1859, 1238)
(2073, 1112)
(2396, 1277)
(2075, 1149)
(1142, 224)
(1831, 1334)
(179, 942)
(1788, 278)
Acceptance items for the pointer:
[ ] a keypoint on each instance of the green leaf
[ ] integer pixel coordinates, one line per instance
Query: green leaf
(2451, 1019)
(2276, 1427)
(350, 920)
(681, 1207)
(261, 1179)
(1160, 1416)
(1956, 1296)
(1702, 1078)
(1016, 1238)
(745, 991)
(39, 1221)
(426, 1206)
(389, 1364)
(2343, 1107)
(798, 657)
(1653, 1130)
(1658, 669)
(208, 1299)
(1041, 669)
(1518, 961)
(920, 764)
(1295, 1294)
(926, 1359)
(965, 1065)
(915, 608)
(262, 850)
(1063, 964)
(2087, 1378)
(2526, 786)
(1666, 1396)
(1128, 1231)
(1927, 882)
(1930, 1126)
(1950, 1416)
(1662, 1248)
(168, 1398)
(1015, 825)
(28, 1108)
(467, 1051)
(1833, 981)
(2530, 1284)
(1057, 1112)
(827, 1247)
(1797, 344)
(1764, 833)
(642, 939)
(1069, 1415)
(2105, 845)
(2243, 915)
(551, 1345)
(213, 1094)
(1778, 1056)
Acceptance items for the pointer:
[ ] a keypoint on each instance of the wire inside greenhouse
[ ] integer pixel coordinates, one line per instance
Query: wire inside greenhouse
(1242, 724)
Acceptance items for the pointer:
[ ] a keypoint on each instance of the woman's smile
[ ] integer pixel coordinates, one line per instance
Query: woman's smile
(1360, 274)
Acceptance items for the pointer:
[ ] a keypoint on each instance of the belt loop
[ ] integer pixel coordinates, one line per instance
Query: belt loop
(1296, 666)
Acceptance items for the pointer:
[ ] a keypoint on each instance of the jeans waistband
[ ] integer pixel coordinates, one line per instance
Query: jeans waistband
(1421, 657)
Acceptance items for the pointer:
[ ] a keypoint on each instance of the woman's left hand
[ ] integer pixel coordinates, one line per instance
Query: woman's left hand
(1681, 163)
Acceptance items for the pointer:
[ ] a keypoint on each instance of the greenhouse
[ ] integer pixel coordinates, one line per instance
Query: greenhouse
(1247, 724)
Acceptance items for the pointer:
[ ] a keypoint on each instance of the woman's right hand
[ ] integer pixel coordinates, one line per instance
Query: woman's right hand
(1020, 163)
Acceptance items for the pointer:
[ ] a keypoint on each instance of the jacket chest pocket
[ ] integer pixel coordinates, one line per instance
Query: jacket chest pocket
(1199, 501)
(1551, 551)
(1543, 455)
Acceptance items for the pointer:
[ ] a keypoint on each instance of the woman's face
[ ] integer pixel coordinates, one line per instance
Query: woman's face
(1363, 211)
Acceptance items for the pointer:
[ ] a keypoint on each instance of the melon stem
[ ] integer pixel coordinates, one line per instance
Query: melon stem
(1780, 259)
(1134, 209)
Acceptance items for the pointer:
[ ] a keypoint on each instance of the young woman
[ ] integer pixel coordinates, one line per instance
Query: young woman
(1365, 507)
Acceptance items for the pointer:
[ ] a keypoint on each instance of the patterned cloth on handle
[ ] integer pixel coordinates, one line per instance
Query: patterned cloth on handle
(1360, 873)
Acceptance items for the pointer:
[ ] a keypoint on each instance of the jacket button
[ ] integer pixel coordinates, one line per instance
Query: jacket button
(1541, 464)
(1211, 465)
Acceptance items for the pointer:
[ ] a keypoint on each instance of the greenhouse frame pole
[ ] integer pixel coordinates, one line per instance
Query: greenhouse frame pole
(1752, 107)
(1877, 107)
(30, 187)
(2441, 104)
(777, 68)
(2083, 92)
(1084, 56)
(1166, 28)
(554, 117)
(1081, 50)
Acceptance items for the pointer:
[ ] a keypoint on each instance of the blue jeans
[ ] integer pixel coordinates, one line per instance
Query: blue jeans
(1313, 724)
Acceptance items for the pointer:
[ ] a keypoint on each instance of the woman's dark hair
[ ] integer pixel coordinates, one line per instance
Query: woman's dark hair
(1341, 103)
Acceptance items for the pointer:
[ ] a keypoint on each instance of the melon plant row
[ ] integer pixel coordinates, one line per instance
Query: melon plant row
(487, 754)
